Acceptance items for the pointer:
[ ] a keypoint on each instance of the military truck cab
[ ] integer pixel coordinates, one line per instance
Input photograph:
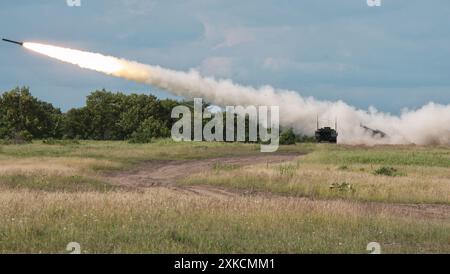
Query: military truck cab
(326, 134)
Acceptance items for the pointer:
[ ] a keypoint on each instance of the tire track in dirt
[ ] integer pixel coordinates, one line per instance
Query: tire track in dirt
(165, 173)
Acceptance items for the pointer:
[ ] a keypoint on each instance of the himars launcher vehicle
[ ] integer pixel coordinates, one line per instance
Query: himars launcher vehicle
(326, 134)
(374, 132)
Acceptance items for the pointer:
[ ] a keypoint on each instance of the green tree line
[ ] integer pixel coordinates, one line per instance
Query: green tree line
(106, 116)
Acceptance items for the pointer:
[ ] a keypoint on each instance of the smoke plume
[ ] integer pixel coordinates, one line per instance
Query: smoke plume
(428, 125)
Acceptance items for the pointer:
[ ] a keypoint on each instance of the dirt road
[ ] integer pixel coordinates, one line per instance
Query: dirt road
(168, 172)
(165, 174)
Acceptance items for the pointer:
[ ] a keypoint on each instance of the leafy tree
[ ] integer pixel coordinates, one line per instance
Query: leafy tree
(137, 108)
(21, 112)
(114, 116)
(105, 110)
(149, 129)
(106, 116)
(78, 124)
(166, 111)
(20, 137)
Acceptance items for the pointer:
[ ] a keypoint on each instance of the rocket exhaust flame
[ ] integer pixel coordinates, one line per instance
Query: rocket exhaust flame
(427, 125)
(87, 60)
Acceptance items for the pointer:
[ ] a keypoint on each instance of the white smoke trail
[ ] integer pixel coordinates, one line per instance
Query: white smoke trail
(427, 125)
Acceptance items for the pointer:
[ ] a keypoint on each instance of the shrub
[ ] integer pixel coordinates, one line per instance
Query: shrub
(305, 139)
(22, 116)
(386, 171)
(20, 137)
(150, 128)
(287, 137)
(342, 187)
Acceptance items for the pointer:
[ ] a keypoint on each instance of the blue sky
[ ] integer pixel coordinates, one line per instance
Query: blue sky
(391, 57)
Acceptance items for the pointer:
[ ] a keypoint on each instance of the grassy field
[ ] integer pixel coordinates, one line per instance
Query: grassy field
(405, 174)
(331, 199)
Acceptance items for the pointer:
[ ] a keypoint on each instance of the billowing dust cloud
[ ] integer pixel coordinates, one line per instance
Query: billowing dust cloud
(427, 125)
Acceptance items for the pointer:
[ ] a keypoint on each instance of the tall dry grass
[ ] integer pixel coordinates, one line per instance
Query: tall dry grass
(166, 221)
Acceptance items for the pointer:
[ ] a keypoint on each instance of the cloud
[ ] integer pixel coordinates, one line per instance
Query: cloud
(295, 45)
(137, 7)
(235, 37)
(277, 64)
(217, 66)
(281, 64)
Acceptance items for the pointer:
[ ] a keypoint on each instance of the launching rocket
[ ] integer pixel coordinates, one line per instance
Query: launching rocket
(12, 41)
